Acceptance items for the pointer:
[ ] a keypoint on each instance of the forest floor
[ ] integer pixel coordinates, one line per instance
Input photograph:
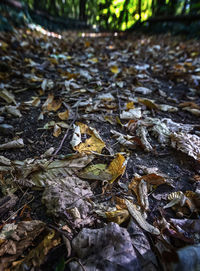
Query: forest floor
(99, 151)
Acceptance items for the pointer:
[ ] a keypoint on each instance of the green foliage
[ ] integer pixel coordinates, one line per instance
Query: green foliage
(114, 14)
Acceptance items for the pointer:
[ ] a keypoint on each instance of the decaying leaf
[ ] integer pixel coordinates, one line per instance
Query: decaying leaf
(167, 108)
(37, 255)
(143, 134)
(65, 195)
(136, 214)
(154, 179)
(31, 172)
(116, 249)
(17, 238)
(193, 111)
(187, 143)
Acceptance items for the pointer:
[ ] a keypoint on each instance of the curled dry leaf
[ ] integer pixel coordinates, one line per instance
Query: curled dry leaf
(134, 113)
(136, 214)
(140, 188)
(167, 108)
(15, 144)
(154, 179)
(143, 90)
(124, 140)
(13, 110)
(148, 103)
(56, 130)
(181, 199)
(193, 111)
(7, 96)
(50, 104)
(143, 134)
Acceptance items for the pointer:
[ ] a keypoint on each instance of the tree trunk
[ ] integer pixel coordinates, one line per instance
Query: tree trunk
(82, 10)
(184, 7)
(139, 9)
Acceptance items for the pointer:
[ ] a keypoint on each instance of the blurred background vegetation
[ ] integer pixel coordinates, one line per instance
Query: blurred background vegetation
(117, 15)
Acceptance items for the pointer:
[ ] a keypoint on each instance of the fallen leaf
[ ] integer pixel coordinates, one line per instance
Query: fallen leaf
(95, 172)
(56, 130)
(118, 216)
(7, 96)
(148, 103)
(136, 214)
(187, 143)
(15, 144)
(64, 115)
(93, 143)
(117, 167)
(130, 105)
(114, 69)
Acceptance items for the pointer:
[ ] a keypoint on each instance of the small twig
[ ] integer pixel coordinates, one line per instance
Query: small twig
(119, 105)
(19, 209)
(78, 261)
(66, 134)
(103, 155)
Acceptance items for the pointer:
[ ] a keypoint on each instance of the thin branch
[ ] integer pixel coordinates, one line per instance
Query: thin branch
(66, 134)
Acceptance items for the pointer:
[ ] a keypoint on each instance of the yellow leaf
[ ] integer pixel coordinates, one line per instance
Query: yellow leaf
(114, 69)
(3, 45)
(94, 143)
(94, 60)
(149, 104)
(64, 115)
(130, 105)
(87, 44)
(117, 167)
(53, 61)
(118, 216)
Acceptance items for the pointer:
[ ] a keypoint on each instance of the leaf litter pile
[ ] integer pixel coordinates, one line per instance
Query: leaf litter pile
(99, 152)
